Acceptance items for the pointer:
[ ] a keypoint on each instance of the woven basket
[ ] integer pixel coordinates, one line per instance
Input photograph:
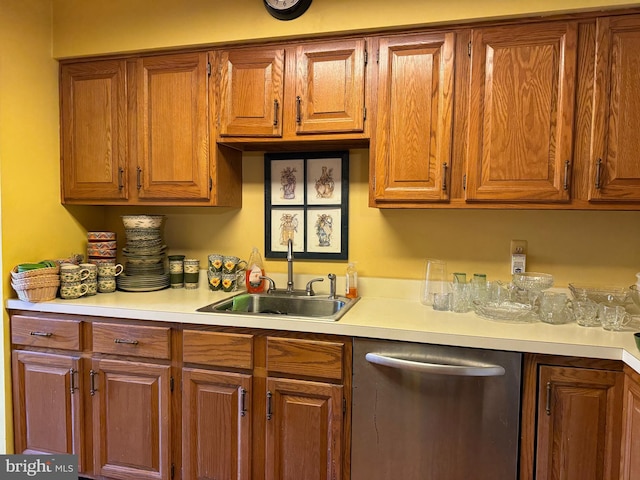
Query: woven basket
(36, 282)
(37, 291)
(36, 272)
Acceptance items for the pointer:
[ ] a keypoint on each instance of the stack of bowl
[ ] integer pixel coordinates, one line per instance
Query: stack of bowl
(145, 254)
(37, 282)
(102, 248)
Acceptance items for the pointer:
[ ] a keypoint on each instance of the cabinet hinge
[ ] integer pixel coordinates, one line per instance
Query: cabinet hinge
(364, 113)
(464, 182)
(171, 384)
(344, 406)
(366, 57)
(469, 48)
(378, 56)
(173, 470)
(208, 69)
(210, 183)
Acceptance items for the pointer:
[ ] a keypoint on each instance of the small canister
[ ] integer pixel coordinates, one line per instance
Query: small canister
(176, 271)
(191, 273)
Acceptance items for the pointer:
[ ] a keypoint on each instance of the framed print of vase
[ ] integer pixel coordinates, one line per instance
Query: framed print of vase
(307, 201)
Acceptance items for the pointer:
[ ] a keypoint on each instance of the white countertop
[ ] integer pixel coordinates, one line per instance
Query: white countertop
(387, 309)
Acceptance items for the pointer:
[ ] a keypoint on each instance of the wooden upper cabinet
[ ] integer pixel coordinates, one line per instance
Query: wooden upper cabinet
(329, 87)
(93, 102)
(172, 129)
(521, 113)
(615, 166)
(251, 92)
(412, 142)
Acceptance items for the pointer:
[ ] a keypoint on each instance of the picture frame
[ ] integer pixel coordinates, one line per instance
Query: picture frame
(307, 201)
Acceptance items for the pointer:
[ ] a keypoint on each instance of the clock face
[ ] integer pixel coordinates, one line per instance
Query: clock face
(286, 9)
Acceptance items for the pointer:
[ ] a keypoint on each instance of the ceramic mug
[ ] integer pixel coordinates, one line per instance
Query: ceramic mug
(109, 270)
(70, 273)
(176, 271)
(230, 281)
(215, 262)
(231, 264)
(93, 271)
(215, 280)
(92, 287)
(106, 284)
(613, 317)
(73, 290)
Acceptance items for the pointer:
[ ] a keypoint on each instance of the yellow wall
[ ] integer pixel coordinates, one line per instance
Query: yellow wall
(598, 246)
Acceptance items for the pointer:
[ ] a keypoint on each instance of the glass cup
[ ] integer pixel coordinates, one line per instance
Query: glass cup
(434, 280)
(613, 317)
(555, 308)
(441, 301)
(460, 297)
(586, 313)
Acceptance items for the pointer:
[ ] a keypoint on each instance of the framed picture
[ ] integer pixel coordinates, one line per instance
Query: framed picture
(307, 202)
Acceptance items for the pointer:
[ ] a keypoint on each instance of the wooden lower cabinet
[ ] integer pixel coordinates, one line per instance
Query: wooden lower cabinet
(571, 419)
(630, 464)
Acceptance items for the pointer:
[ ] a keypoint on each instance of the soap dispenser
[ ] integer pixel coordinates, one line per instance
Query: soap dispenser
(351, 290)
(254, 272)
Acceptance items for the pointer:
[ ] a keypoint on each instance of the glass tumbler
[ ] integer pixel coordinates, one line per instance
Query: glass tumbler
(434, 281)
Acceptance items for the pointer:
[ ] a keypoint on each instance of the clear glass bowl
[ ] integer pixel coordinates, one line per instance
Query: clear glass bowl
(609, 294)
(533, 280)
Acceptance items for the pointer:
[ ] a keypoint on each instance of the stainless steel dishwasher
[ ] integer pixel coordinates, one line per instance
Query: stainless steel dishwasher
(432, 412)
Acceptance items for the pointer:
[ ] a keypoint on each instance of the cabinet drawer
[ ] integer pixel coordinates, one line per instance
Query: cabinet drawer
(218, 349)
(134, 340)
(45, 332)
(313, 358)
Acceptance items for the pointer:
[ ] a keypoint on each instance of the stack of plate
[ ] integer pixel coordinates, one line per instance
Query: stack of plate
(145, 254)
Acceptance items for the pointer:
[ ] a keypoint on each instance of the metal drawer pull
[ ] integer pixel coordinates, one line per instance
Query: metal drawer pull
(72, 375)
(126, 341)
(547, 407)
(139, 178)
(598, 171)
(92, 382)
(120, 176)
(243, 408)
(444, 176)
(565, 185)
(470, 370)
(268, 405)
(275, 112)
(298, 110)
(41, 334)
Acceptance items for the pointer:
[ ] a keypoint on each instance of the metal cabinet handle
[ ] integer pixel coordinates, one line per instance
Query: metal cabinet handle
(243, 395)
(298, 110)
(92, 382)
(547, 407)
(565, 185)
(120, 178)
(475, 369)
(276, 106)
(139, 178)
(126, 341)
(598, 172)
(72, 378)
(41, 334)
(269, 405)
(444, 176)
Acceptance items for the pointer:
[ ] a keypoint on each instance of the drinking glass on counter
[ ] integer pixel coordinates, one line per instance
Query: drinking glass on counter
(435, 281)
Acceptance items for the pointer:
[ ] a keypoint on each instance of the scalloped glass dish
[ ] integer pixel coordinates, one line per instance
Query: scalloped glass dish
(610, 294)
(506, 311)
(533, 280)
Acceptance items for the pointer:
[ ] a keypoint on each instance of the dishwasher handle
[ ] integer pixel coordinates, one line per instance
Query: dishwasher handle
(476, 370)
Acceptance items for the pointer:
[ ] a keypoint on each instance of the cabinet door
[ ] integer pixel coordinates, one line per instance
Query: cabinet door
(131, 420)
(172, 130)
(47, 405)
(521, 113)
(614, 167)
(251, 92)
(304, 430)
(94, 130)
(578, 424)
(216, 430)
(414, 120)
(329, 87)
(630, 465)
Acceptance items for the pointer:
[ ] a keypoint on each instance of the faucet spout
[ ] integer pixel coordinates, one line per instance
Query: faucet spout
(290, 266)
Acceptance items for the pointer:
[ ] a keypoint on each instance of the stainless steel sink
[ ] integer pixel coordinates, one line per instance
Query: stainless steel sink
(279, 304)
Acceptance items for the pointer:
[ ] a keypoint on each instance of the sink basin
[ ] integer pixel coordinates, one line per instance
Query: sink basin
(317, 307)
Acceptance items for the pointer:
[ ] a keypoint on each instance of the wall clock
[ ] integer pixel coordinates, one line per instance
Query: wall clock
(286, 9)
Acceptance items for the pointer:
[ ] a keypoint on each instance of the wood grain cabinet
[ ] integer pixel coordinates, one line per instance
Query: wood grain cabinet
(571, 419)
(630, 465)
(47, 379)
(521, 113)
(412, 145)
(136, 132)
(294, 92)
(614, 166)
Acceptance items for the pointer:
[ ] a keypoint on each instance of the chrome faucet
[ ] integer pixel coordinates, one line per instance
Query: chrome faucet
(290, 266)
